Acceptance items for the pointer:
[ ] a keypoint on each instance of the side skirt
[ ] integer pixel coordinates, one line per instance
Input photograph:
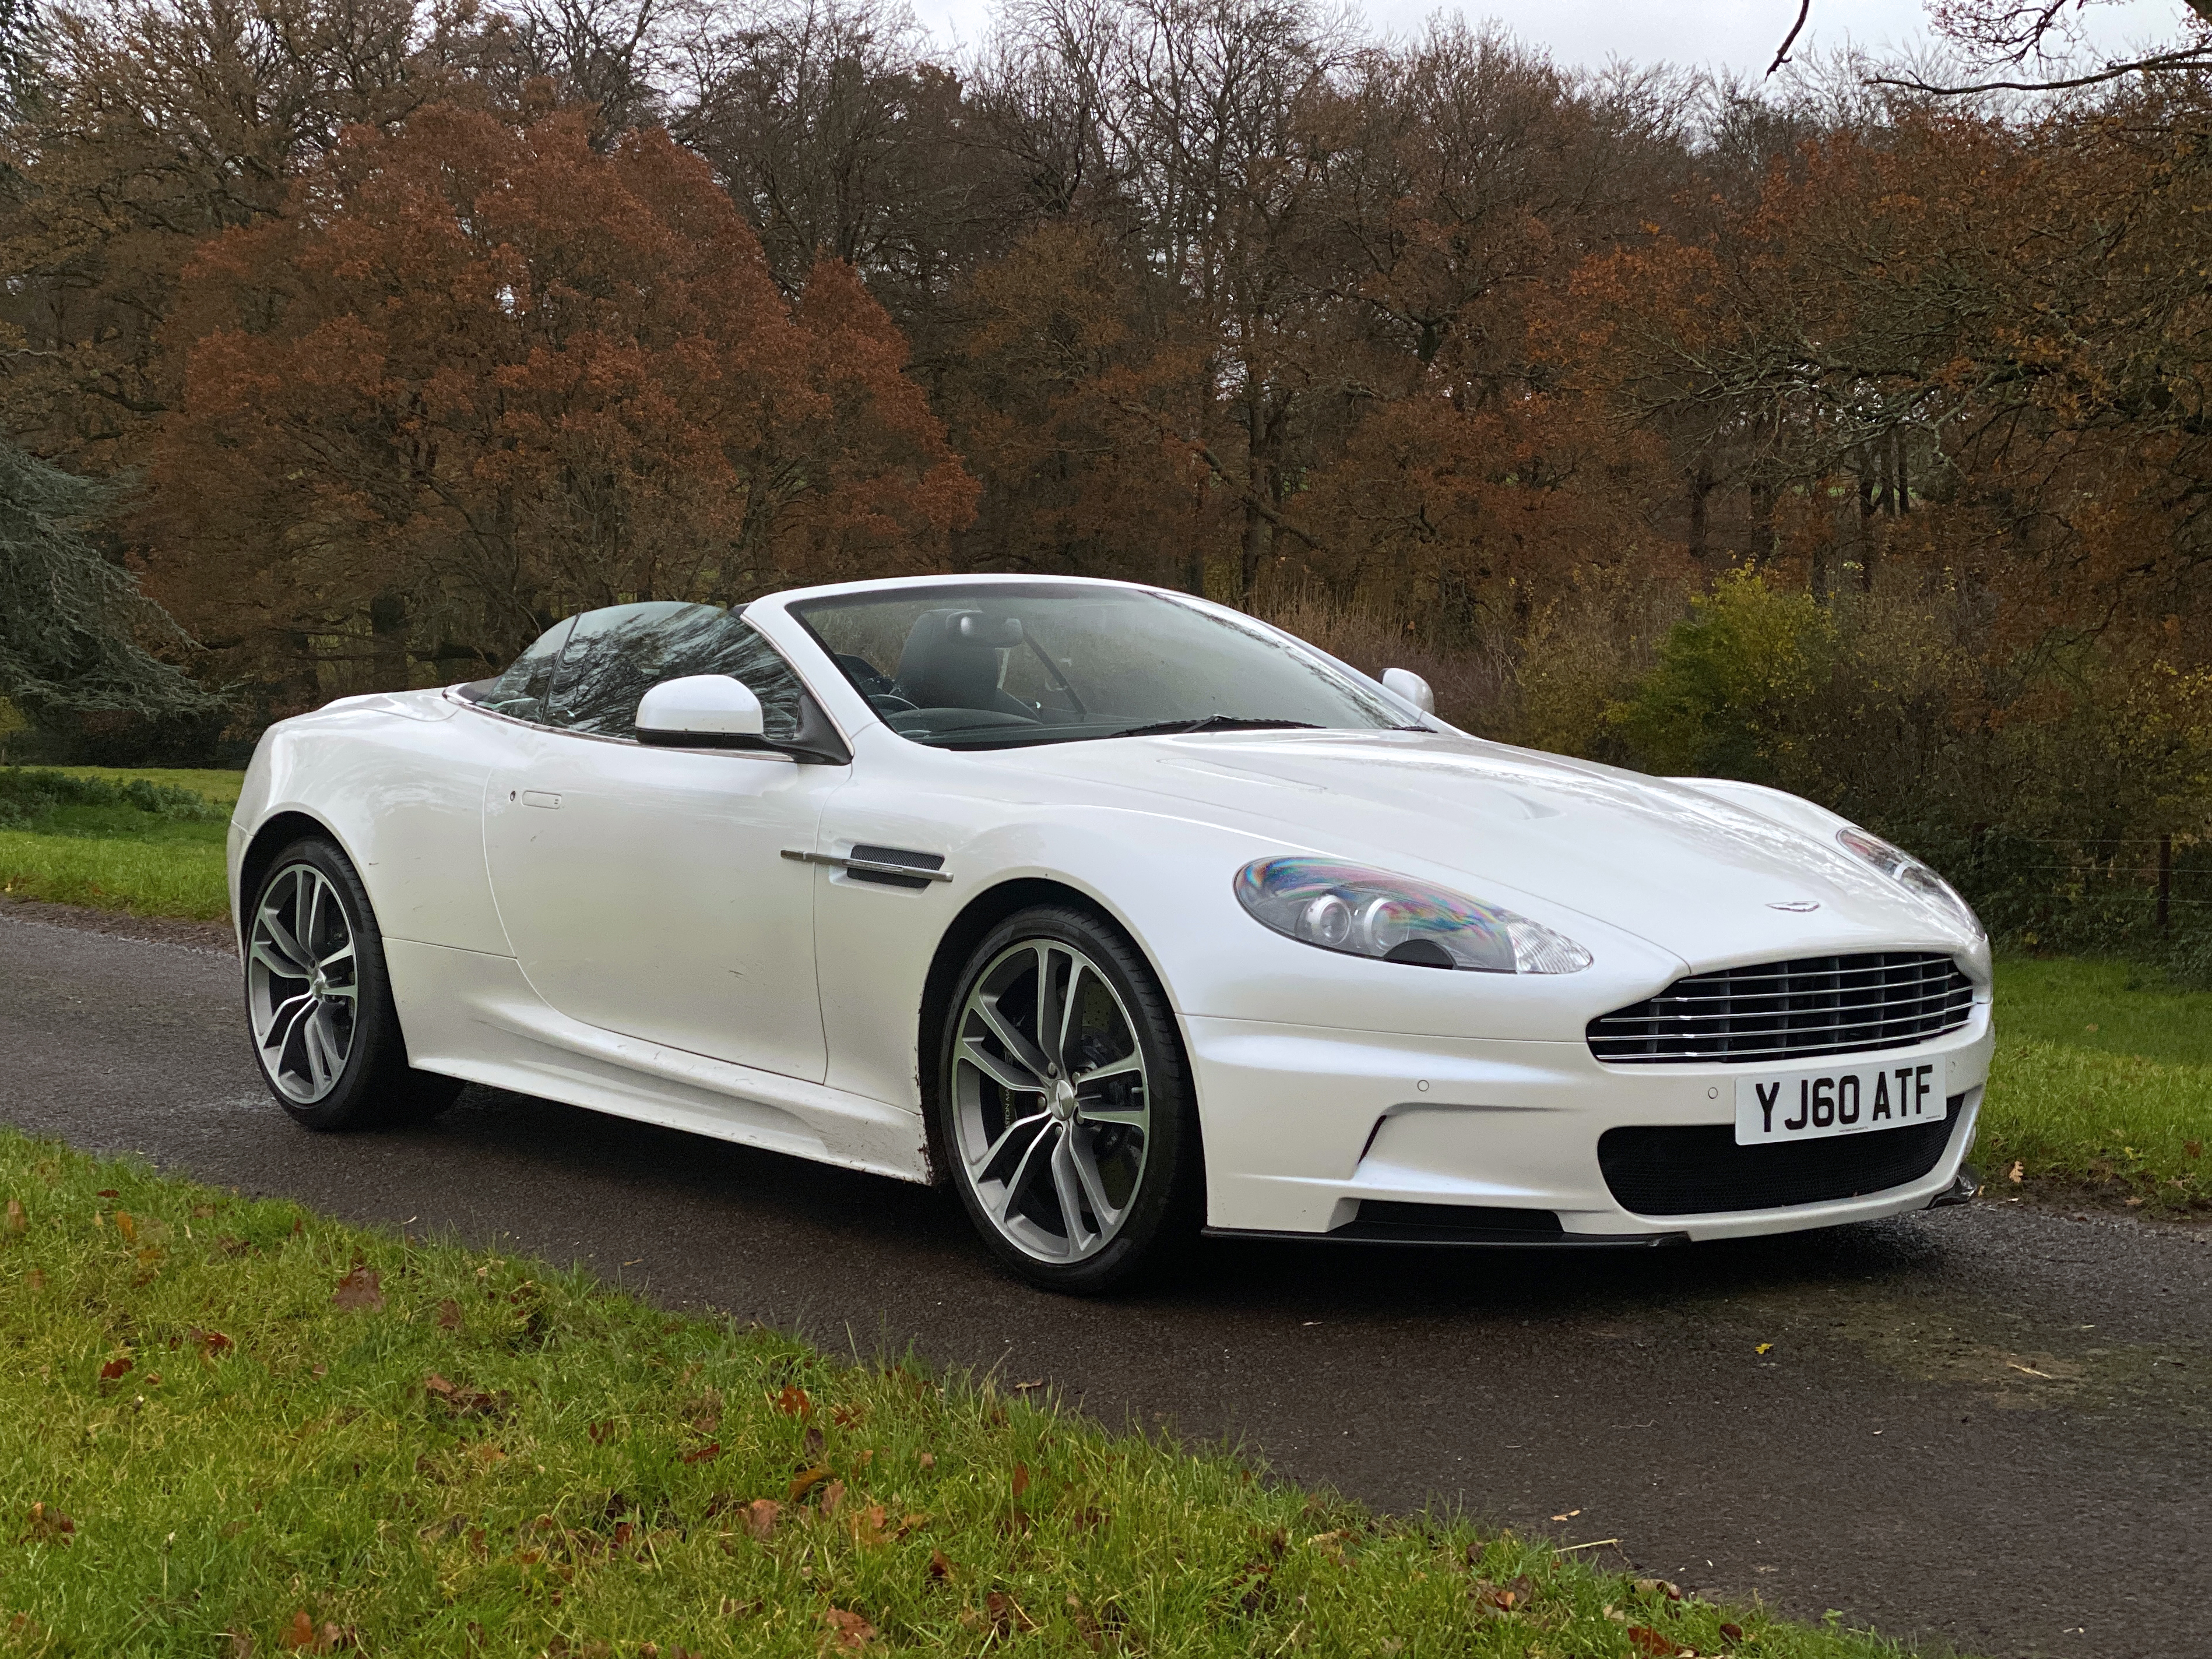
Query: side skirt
(472, 1015)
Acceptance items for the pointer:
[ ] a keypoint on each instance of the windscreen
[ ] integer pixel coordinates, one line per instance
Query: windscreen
(1003, 666)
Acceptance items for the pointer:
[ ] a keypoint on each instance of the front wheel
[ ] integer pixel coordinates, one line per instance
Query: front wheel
(319, 1001)
(1063, 1105)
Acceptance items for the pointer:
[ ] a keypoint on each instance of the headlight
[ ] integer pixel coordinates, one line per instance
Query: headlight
(1902, 867)
(1369, 913)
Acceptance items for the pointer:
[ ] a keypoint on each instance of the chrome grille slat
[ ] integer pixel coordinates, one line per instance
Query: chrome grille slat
(1810, 1006)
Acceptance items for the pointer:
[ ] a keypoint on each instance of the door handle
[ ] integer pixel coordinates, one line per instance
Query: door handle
(891, 866)
(544, 798)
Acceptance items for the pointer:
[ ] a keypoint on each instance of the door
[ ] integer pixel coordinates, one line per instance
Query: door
(645, 889)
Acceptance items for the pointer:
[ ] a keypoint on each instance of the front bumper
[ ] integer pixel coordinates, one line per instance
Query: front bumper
(1304, 1126)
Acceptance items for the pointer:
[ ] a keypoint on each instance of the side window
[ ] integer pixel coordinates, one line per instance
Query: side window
(520, 691)
(616, 655)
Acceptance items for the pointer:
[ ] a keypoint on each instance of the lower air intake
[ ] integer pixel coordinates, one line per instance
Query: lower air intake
(1699, 1170)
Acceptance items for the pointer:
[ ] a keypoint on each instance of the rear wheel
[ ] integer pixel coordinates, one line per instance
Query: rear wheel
(1063, 1105)
(319, 1001)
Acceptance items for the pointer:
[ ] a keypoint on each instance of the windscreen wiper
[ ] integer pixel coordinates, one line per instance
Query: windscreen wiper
(1213, 723)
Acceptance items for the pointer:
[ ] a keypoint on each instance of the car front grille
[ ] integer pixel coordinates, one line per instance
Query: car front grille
(1788, 1010)
(1699, 1169)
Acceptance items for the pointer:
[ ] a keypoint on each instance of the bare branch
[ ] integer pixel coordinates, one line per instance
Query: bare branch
(1804, 11)
(2167, 60)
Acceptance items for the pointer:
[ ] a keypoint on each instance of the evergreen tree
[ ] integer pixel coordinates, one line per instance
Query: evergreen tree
(69, 619)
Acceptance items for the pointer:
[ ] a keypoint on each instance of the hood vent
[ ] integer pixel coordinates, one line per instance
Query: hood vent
(1791, 1010)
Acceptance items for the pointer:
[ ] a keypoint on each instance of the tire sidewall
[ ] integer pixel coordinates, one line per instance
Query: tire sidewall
(1169, 1200)
(376, 1024)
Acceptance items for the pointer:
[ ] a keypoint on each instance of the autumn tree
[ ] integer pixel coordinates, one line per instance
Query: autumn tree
(479, 374)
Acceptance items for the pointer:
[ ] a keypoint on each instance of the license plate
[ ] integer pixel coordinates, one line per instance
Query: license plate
(1810, 1105)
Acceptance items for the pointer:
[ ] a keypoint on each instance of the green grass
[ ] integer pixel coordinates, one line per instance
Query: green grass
(98, 836)
(204, 1450)
(2102, 1084)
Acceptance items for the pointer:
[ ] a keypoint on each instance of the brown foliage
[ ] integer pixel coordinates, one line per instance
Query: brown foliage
(480, 374)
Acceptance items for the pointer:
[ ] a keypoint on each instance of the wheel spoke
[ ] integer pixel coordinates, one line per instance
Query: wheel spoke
(1130, 1116)
(283, 1019)
(1068, 1003)
(982, 1166)
(1023, 1171)
(987, 1010)
(1133, 1061)
(280, 938)
(318, 1044)
(266, 953)
(343, 951)
(1048, 1016)
(1065, 1182)
(1084, 1162)
(1007, 1073)
(310, 911)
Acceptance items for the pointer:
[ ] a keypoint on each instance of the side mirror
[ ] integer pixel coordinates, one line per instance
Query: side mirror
(701, 712)
(1411, 686)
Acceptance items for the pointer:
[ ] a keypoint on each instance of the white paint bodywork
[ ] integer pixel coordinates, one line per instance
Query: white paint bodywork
(615, 926)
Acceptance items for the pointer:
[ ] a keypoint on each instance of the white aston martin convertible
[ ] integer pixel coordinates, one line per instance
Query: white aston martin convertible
(1121, 912)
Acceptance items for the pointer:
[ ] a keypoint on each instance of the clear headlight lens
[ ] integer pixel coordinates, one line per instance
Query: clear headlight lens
(1903, 867)
(1369, 912)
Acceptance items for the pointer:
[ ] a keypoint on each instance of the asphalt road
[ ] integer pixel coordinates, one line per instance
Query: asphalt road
(1987, 1427)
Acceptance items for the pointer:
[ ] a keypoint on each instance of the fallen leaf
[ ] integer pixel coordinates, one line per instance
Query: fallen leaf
(2016, 1171)
(1569, 1516)
(47, 1523)
(832, 1496)
(705, 1454)
(17, 1221)
(1025, 1388)
(600, 1434)
(449, 1315)
(301, 1635)
(941, 1568)
(909, 1523)
(794, 1402)
(1005, 1613)
(1763, 1348)
(1734, 1633)
(209, 1342)
(363, 1288)
(850, 1629)
(806, 1482)
(814, 1440)
(462, 1402)
(846, 1417)
(35, 1278)
(927, 1460)
(760, 1516)
(126, 1227)
(1021, 1478)
(107, 1192)
(1645, 1639)
(113, 1369)
(2194, 1149)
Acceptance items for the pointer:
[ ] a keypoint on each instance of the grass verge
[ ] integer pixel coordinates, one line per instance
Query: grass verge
(2102, 1085)
(149, 843)
(231, 1426)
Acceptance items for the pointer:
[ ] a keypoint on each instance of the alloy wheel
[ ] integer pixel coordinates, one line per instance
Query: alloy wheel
(302, 982)
(1050, 1104)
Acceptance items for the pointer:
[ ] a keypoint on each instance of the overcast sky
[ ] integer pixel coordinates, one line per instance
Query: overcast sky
(1743, 33)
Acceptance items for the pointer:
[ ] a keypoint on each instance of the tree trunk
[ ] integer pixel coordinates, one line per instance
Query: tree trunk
(1866, 519)
(1762, 525)
(387, 628)
(1701, 489)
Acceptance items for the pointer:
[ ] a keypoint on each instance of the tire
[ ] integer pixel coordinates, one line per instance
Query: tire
(325, 1033)
(1078, 1158)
